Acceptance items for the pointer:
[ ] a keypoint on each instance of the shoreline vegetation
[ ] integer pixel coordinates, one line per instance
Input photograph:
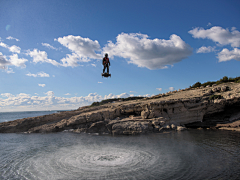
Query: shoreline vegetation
(210, 105)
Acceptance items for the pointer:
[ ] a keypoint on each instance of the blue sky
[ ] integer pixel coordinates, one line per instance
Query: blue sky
(51, 51)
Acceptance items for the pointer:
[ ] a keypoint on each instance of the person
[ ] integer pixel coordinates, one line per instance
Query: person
(106, 63)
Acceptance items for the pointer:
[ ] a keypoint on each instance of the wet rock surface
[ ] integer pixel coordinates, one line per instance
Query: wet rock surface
(206, 107)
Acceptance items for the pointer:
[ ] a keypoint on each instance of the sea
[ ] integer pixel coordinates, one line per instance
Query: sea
(188, 155)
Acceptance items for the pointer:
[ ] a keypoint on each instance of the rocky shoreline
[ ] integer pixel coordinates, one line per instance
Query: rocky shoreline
(216, 107)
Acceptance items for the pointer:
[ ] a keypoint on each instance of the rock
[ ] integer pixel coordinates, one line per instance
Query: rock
(214, 90)
(98, 127)
(144, 114)
(173, 126)
(224, 88)
(180, 128)
(130, 128)
(167, 127)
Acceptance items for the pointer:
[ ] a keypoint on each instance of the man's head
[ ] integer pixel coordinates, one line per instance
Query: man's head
(106, 55)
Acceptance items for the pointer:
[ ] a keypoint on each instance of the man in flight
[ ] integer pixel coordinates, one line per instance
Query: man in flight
(106, 63)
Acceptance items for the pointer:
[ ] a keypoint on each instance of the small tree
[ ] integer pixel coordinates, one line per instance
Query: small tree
(197, 84)
(224, 79)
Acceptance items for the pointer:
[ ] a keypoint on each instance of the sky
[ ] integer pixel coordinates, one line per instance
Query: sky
(51, 51)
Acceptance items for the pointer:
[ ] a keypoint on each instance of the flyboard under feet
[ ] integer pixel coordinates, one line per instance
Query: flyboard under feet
(106, 75)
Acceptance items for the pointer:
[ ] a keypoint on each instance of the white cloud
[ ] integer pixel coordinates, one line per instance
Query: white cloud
(100, 82)
(24, 101)
(205, 49)
(72, 60)
(171, 88)
(94, 65)
(68, 94)
(82, 49)
(13, 48)
(41, 56)
(19, 62)
(226, 55)
(112, 96)
(7, 95)
(3, 62)
(49, 46)
(42, 85)
(50, 93)
(3, 45)
(218, 35)
(159, 89)
(12, 38)
(39, 74)
(144, 52)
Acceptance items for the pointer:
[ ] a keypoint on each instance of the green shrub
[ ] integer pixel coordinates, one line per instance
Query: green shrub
(224, 79)
(197, 84)
(237, 81)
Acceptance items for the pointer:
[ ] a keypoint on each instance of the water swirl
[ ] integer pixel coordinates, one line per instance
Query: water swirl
(70, 156)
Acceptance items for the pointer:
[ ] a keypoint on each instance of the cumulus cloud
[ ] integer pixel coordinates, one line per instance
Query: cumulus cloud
(145, 52)
(39, 74)
(226, 55)
(112, 96)
(24, 101)
(218, 35)
(13, 48)
(3, 45)
(41, 56)
(171, 88)
(50, 93)
(159, 89)
(42, 85)
(205, 49)
(73, 60)
(12, 38)
(49, 46)
(19, 62)
(7, 95)
(82, 49)
(3, 62)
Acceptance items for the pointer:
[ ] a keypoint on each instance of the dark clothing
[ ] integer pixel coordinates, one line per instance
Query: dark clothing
(106, 64)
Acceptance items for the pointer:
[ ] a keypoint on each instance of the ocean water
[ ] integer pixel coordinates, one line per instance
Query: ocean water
(10, 116)
(192, 154)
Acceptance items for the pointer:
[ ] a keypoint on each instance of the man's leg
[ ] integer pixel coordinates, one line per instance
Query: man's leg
(108, 69)
(104, 69)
